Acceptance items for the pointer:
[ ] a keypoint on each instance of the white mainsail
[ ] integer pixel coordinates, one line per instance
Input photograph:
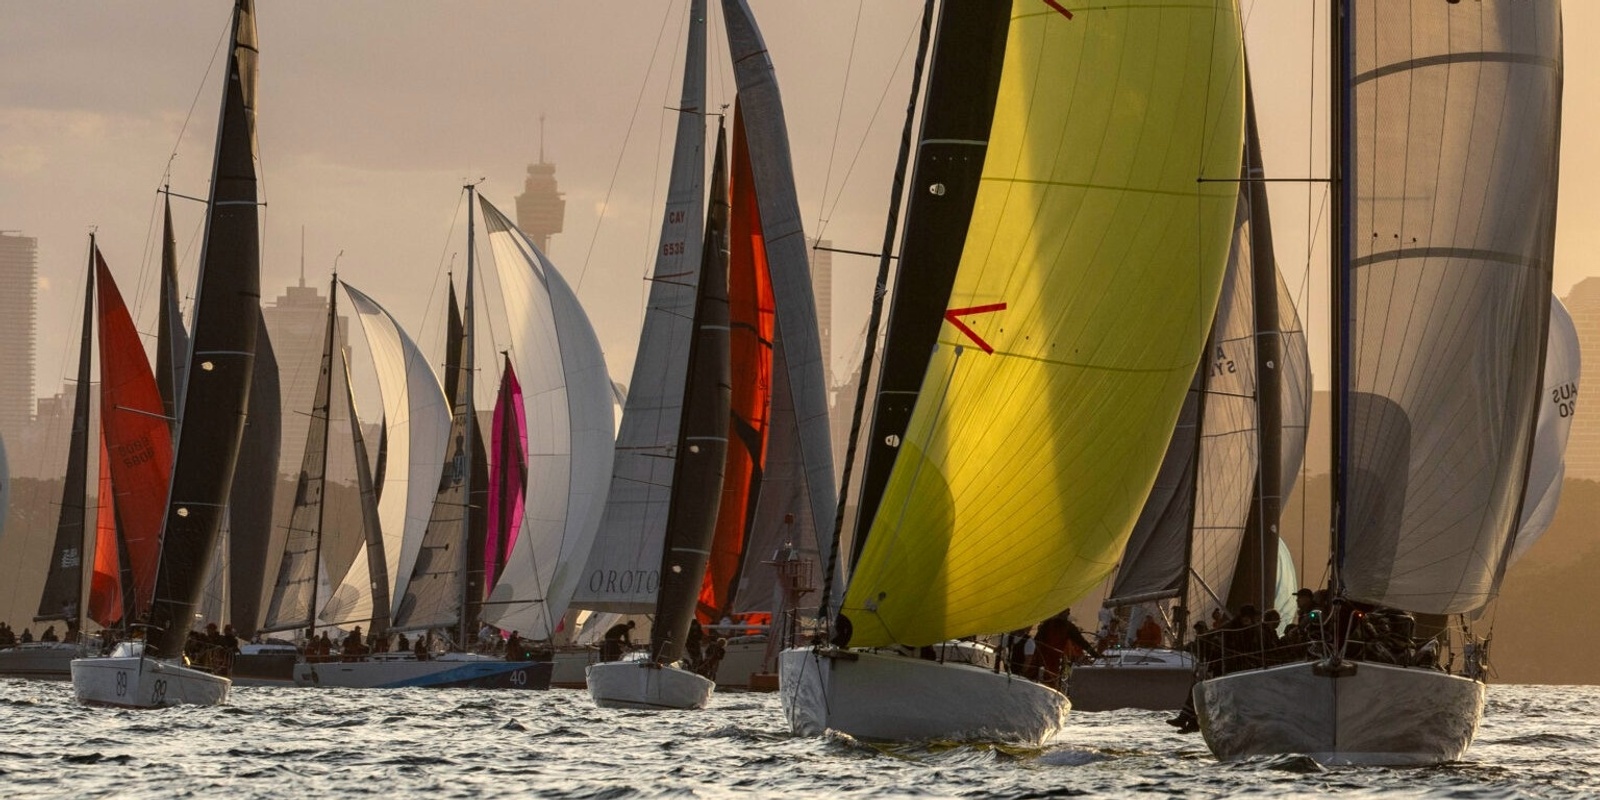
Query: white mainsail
(623, 569)
(417, 423)
(567, 395)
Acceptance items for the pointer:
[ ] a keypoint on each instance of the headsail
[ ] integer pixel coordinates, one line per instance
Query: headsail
(105, 583)
(1562, 366)
(568, 401)
(751, 312)
(1090, 274)
(1450, 199)
(416, 424)
(622, 571)
(508, 476)
(137, 439)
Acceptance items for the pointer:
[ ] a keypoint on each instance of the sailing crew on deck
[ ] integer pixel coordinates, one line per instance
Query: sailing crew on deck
(616, 641)
(714, 653)
(49, 635)
(1058, 636)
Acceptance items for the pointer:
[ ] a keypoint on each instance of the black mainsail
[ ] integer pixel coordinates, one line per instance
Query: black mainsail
(63, 585)
(222, 359)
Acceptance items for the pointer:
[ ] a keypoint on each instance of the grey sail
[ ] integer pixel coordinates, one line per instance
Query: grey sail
(294, 594)
(221, 362)
(635, 518)
(172, 340)
(371, 531)
(63, 584)
(1452, 196)
(255, 483)
(773, 175)
(702, 435)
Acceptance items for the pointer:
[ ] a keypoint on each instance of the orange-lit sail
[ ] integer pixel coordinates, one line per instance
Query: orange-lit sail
(105, 585)
(137, 438)
(750, 310)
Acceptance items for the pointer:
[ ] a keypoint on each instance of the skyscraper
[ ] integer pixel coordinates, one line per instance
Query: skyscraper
(19, 277)
(1583, 443)
(541, 208)
(297, 322)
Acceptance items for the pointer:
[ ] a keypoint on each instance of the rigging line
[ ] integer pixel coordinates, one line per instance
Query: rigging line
(838, 118)
(652, 243)
(881, 288)
(605, 202)
(883, 98)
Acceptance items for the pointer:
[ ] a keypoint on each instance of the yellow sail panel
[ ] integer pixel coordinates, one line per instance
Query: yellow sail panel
(1024, 468)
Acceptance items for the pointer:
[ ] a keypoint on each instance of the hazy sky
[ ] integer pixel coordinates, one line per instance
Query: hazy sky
(373, 112)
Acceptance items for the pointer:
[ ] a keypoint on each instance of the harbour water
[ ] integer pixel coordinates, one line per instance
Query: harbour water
(1536, 741)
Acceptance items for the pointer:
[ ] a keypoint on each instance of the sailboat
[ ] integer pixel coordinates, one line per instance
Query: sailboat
(150, 672)
(661, 680)
(1076, 252)
(1206, 538)
(1445, 121)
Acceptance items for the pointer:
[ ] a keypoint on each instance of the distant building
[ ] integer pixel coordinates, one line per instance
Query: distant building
(19, 280)
(297, 322)
(1583, 443)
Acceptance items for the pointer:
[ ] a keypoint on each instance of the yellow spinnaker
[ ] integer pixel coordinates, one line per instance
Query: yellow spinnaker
(1023, 470)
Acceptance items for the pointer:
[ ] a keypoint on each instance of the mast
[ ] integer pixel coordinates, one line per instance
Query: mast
(465, 387)
(63, 587)
(1339, 71)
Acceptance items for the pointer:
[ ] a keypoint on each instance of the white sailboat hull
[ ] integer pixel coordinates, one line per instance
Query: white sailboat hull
(1380, 715)
(570, 666)
(135, 681)
(449, 671)
(742, 660)
(1155, 679)
(884, 697)
(641, 684)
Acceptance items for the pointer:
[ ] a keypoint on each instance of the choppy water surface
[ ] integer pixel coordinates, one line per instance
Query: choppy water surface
(1535, 741)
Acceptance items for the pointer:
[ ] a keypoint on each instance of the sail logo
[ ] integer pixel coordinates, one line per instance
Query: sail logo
(624, 581)
(135, 452)
(71, 558)
(1223, 365)
(1565, 398)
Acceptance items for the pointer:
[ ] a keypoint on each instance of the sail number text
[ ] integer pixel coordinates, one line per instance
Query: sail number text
(1565, 397)
(612, 581)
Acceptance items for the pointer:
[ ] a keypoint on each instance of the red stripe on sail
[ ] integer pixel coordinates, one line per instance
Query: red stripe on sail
(750, 310)
(138, 438)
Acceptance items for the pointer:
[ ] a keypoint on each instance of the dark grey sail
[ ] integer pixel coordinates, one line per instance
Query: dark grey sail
(702, 436)
(217, 390)
(371, 532)
(255, 483)
(172, 340)
(63, 584)
(962, 83)
(294, 594)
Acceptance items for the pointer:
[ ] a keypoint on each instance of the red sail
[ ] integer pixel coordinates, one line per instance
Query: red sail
(105, 583)
(750, 310)
(136, 435)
